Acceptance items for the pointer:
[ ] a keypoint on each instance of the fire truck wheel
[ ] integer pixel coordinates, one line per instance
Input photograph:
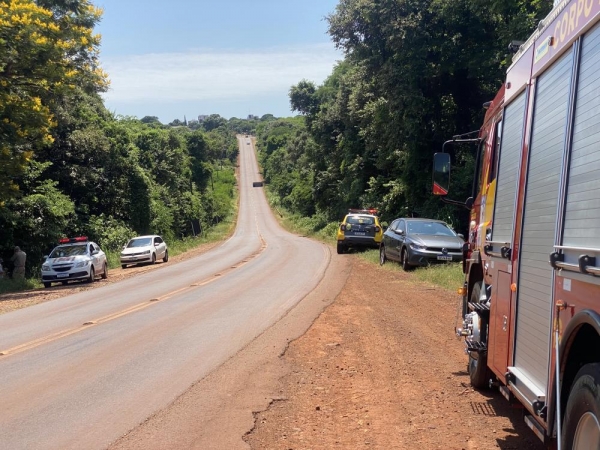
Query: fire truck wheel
(581, 426)
(477, 366)
(478, 371)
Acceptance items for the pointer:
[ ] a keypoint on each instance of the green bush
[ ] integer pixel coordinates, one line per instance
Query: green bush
(110, 234)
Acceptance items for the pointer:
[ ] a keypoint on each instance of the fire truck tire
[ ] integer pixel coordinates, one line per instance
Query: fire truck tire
(382, 257)
(478, 371)
(477, 366)
(581, 425)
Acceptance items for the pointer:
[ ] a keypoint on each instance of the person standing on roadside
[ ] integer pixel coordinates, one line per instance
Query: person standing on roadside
(18, 260)
(1, 269)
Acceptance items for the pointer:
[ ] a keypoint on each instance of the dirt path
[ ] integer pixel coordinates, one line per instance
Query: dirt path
(381, 368)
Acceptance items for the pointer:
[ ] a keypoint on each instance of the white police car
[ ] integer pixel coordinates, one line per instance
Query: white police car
(74, 259)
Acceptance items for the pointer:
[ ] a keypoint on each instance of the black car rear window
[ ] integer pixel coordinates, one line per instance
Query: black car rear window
(360, 220)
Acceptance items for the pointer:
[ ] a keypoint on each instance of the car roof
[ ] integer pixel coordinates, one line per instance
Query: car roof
(145, 236)
(66, 244)
(421, 219)
(360, 215)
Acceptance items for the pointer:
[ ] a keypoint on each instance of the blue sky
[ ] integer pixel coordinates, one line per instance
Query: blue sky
(227, 57)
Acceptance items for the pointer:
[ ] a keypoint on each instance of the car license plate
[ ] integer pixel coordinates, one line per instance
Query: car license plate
(359, 233)
(62, 275)
(444, 258)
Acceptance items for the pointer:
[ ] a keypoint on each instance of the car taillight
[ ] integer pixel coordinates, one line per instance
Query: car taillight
(343, 227)
(377, 229)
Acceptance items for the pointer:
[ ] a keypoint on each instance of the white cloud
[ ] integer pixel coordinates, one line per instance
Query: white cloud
(207, 75)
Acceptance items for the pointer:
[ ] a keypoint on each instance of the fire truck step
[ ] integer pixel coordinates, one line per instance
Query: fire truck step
(477, 347)
(481, 308)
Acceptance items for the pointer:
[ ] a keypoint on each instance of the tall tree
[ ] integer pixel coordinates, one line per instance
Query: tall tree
(46, 49)
(415, 72)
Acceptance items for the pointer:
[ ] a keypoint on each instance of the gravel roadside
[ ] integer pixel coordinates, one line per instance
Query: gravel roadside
(381, 368)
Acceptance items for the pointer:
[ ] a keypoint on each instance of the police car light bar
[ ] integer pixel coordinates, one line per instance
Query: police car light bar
(72, 240)
(363, 211)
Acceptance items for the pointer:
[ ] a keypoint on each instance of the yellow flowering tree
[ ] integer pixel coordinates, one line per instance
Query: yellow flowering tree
(47, 49)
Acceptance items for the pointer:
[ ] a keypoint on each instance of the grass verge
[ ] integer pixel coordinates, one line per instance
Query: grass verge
(7, 285)
(217, 233)
(214, 234)
(448, 276)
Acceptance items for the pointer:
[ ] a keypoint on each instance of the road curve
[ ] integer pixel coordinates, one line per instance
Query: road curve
(81, 371)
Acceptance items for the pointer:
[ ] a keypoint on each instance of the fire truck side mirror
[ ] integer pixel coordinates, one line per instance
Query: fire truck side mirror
(441, 173)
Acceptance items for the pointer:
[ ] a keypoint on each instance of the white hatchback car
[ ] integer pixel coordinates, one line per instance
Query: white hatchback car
(74, 259)
(144, 249)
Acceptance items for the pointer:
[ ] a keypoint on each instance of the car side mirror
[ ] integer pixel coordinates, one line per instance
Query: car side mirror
(399, 232)
(462, 236)
(95, 252)
(46, 256)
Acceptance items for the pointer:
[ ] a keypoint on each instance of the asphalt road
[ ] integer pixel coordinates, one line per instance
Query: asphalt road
(84, 370)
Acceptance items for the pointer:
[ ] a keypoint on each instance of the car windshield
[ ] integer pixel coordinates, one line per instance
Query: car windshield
(434, 228)
(143, 242)
(70, 250)
(360, 220)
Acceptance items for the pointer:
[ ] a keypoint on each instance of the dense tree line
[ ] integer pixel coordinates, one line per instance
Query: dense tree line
(70, 167)
(415, 73)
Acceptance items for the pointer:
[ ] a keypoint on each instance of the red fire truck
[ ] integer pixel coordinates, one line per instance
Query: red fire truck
(531, 297)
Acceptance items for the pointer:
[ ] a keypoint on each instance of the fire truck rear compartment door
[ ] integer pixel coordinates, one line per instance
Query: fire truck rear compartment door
(508, 171)
(500, 324)
(535, 282)
(582, 216)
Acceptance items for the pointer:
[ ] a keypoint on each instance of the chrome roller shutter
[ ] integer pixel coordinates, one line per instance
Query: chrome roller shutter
(535, 282)
(508, 170)
(582, 210)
